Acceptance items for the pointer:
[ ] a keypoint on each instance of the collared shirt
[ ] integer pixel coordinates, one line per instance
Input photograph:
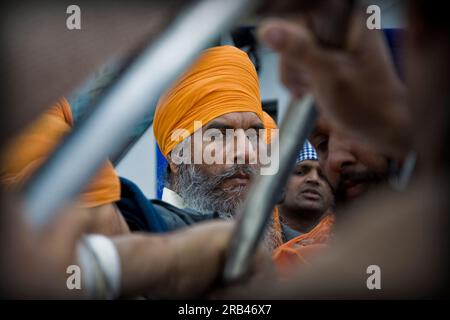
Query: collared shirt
(173, 198)
(288, 233)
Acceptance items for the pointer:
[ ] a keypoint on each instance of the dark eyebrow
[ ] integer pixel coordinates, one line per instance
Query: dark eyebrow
(304, 165)
(221, 126)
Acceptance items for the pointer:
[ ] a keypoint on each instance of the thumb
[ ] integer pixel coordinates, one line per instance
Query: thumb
(295, 42)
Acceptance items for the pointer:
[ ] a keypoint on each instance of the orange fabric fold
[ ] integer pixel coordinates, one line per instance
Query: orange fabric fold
(277, 234)
(27, 152)
(269, 125)
(302, 248)
(221, 81)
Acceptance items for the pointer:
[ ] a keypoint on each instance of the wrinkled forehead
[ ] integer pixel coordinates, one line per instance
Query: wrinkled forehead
(311, 164)
(236, 120)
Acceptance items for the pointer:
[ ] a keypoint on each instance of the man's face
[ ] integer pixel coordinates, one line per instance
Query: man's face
(241, 123)
(308, 190)
(350, 165)
(220, 187)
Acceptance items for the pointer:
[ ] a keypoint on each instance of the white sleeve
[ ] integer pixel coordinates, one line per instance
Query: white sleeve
(100, 267)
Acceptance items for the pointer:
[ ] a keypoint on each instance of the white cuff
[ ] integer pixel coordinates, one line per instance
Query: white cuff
(100, 266)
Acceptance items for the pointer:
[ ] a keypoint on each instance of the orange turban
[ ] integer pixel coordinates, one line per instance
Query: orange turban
(29, 150)
(222, 80)
(269, 124)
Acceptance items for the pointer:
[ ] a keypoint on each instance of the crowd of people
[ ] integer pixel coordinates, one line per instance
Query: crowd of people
(342, 210)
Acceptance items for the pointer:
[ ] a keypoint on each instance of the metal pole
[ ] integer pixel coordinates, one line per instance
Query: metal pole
(257, 209)
(297, 124)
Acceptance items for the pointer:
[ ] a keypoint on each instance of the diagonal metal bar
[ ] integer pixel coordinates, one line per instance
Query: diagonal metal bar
(297, 124)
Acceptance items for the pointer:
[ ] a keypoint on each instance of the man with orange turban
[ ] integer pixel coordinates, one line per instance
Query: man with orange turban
(220, 91)
(218, 95)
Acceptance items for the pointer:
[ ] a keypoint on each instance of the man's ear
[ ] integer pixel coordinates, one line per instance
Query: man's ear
(172, 165)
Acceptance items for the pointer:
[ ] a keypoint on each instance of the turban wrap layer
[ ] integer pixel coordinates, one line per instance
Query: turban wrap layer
(269, 125)
(223, 80)
(27, 152)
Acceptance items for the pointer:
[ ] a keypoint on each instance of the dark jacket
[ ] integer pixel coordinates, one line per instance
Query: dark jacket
(142, 214)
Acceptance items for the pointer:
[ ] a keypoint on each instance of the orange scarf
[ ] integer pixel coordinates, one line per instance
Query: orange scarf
(28, 151)
(274, 237)
(297, 251)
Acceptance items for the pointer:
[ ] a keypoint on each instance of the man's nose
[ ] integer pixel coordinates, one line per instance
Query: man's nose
(312, 177)
(244, 150)
(340, 156)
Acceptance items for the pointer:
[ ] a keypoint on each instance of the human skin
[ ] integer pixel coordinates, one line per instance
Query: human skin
(308, 196)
